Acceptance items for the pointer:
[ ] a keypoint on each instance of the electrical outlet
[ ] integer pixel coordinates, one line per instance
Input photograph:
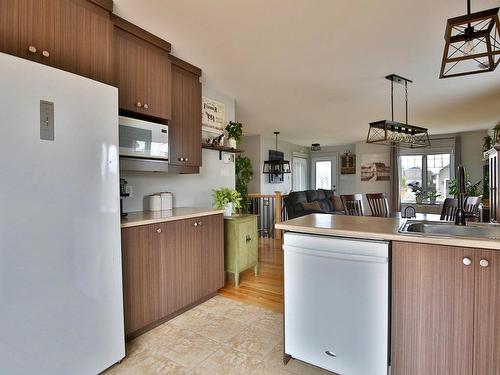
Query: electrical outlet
(130, 191)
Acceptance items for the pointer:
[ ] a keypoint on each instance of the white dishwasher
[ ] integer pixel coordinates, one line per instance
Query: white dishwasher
(337, 303)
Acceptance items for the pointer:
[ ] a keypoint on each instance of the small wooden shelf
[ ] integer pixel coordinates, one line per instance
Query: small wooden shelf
(221, 149)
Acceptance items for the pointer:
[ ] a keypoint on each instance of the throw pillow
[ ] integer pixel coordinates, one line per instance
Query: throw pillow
(337, 203)
(311, 206)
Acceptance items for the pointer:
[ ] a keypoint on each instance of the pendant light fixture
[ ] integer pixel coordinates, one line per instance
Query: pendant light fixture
(396, 134)
(472, 43)
(276, 166)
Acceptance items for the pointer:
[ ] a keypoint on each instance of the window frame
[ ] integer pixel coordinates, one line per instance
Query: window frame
(439, 146)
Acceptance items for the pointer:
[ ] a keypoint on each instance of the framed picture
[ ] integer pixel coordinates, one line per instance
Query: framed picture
(375, 167)
(213, 115)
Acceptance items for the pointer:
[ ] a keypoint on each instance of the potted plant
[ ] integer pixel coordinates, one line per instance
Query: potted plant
(432, 196)
(418, 190)
(471, 190)
(234, 132)
(227, 199)
(243, 169)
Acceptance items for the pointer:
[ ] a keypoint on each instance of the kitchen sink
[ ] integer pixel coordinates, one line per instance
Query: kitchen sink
(449, 229)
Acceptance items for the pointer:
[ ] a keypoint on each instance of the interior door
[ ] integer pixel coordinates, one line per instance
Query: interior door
(324, 172)
(487, 339)
(299, 174)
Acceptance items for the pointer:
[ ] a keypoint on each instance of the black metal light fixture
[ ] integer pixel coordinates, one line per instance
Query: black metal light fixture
(472, 43)
(396, 134)
(276, 166)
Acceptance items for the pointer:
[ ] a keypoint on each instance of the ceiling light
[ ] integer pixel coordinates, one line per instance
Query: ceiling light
(276, 166)
(472, 43)
(397, 134)
(315, 147)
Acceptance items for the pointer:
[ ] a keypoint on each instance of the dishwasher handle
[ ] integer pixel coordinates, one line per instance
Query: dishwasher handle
(337, 255)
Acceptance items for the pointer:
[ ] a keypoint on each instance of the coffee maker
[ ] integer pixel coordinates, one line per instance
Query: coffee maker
(123, 193)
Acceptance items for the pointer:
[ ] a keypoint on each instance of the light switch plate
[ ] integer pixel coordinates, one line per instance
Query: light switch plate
(228, 157)
(47, 132)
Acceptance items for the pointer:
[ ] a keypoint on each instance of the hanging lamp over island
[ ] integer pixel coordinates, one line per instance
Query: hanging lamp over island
(397, 134)
(472, 43)
(276, 166)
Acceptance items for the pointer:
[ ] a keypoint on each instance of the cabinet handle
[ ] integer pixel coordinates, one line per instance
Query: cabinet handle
(200, 222)
(181, 159)
(32, 49)
(145, 106)
(195, 224)
(484, 263)
(45, 53)
(158, 230)
(186, 159)
(248, 239)
(467, 261)
(139, 104)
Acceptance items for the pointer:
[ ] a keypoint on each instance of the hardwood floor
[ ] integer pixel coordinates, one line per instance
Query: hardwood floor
(266, 289)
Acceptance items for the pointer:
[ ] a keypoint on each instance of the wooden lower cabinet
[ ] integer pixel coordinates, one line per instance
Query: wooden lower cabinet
(487, 313)
(445, 318)
(168, 267)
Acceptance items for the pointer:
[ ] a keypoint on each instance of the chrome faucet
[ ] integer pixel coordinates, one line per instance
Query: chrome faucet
(461, 216)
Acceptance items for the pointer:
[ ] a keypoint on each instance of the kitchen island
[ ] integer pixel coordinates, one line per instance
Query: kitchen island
(432, 300)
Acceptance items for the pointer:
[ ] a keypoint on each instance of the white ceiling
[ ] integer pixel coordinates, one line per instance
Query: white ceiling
(314, 69)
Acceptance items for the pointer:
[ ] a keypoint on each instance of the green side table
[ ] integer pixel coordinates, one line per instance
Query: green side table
(241, 245)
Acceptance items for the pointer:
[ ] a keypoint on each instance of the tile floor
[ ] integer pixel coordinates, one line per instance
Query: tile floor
(220, 336)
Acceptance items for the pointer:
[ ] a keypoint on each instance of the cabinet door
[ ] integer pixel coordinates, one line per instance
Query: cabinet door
(84, 39)
(175, 129)
(140, 258)
(142, 75)
(37, 30)
(185, 127)
(9, 26)
(157, 88)
(487, 339)
(127, 75)
(173, 261)
(432, 310)
(191, 137)
(211, 250)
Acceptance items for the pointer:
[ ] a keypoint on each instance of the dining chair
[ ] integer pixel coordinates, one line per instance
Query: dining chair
(379, 204)
(449, 210)
(471, 206)
(353, 204)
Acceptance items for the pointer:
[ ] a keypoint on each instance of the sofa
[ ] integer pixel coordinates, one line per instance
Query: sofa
(300, 203)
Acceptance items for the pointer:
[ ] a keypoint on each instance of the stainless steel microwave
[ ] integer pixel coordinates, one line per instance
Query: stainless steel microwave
(143, 139)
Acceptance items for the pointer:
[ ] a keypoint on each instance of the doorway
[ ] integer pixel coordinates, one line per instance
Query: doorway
(324, 172)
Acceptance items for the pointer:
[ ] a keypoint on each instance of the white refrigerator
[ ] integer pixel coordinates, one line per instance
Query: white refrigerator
(61, 303)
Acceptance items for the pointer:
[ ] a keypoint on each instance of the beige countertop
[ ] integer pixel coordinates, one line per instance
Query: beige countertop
(151, 217)
(376, 228)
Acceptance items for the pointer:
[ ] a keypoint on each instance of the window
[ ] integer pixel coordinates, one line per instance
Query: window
(323, 174)
(431, 171)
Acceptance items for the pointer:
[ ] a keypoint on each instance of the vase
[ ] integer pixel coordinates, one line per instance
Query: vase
(419, 199)
(228, 211)
(231, 142)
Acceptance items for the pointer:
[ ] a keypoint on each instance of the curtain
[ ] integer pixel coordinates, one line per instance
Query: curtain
(395, 205)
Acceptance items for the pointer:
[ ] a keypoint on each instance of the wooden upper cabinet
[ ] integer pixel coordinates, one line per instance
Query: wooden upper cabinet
(432, 310)
(72, 35)
(9, 26)
(142, 72)
(37, 30)
(487, 337)
(185, 127)
(84, 40)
